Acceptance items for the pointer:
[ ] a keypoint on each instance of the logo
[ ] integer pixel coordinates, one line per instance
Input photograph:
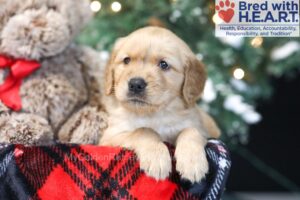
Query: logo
(225, 10)
(252, 18)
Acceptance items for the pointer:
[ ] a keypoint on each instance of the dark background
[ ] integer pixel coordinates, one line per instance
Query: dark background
(275, 140)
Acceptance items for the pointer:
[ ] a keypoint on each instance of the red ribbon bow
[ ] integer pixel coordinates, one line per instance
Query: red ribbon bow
(19, 69)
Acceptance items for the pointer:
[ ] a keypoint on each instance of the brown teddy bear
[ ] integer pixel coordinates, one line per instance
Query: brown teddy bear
(48, 85)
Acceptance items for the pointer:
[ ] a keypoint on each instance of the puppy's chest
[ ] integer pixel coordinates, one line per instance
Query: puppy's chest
(167, 126)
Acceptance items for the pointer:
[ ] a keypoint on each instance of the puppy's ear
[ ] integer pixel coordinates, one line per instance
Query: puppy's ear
(109, 78)
(109, 70)
(194, 80)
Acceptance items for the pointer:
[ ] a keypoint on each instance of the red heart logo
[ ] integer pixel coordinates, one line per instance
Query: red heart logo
(226, 15)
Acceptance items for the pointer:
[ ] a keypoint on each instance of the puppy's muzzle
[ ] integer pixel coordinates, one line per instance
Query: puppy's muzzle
(136, 86)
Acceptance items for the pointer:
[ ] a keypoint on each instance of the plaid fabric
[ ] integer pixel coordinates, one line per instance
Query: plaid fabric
(93, 172)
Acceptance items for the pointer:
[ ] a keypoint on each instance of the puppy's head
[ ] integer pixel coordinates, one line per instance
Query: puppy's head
(150, 68)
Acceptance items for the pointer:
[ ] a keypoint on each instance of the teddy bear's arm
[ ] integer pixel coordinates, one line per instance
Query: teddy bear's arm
(94, 65)
(86, 125)
(24, 128)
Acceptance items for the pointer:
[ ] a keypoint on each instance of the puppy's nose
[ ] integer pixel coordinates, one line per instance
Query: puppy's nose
(137, 85)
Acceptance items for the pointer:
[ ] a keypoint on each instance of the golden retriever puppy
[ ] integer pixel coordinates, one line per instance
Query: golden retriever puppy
(152, 82)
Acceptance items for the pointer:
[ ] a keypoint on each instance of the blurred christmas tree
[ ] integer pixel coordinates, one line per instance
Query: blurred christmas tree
(239, 69)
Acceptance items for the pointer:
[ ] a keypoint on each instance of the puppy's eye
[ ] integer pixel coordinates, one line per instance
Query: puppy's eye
(163, 65)
(126, 60)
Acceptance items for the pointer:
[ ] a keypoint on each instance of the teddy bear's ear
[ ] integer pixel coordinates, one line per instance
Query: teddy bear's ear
(76, 13)
(109, 78)
(84, 12)
(109, 70)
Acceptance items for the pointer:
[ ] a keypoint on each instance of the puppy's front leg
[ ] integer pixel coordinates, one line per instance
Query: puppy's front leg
(190, 155)
(153, 154)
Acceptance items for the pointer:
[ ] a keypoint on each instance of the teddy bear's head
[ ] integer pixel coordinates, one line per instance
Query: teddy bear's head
(35, 29)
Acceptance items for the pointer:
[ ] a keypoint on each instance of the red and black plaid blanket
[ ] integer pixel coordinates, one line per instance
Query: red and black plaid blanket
(92, 172)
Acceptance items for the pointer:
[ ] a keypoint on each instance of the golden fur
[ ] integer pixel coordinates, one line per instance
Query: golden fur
(166, 112)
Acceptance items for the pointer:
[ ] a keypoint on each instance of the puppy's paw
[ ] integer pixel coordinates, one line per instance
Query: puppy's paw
(191, 162)
(155, 160)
